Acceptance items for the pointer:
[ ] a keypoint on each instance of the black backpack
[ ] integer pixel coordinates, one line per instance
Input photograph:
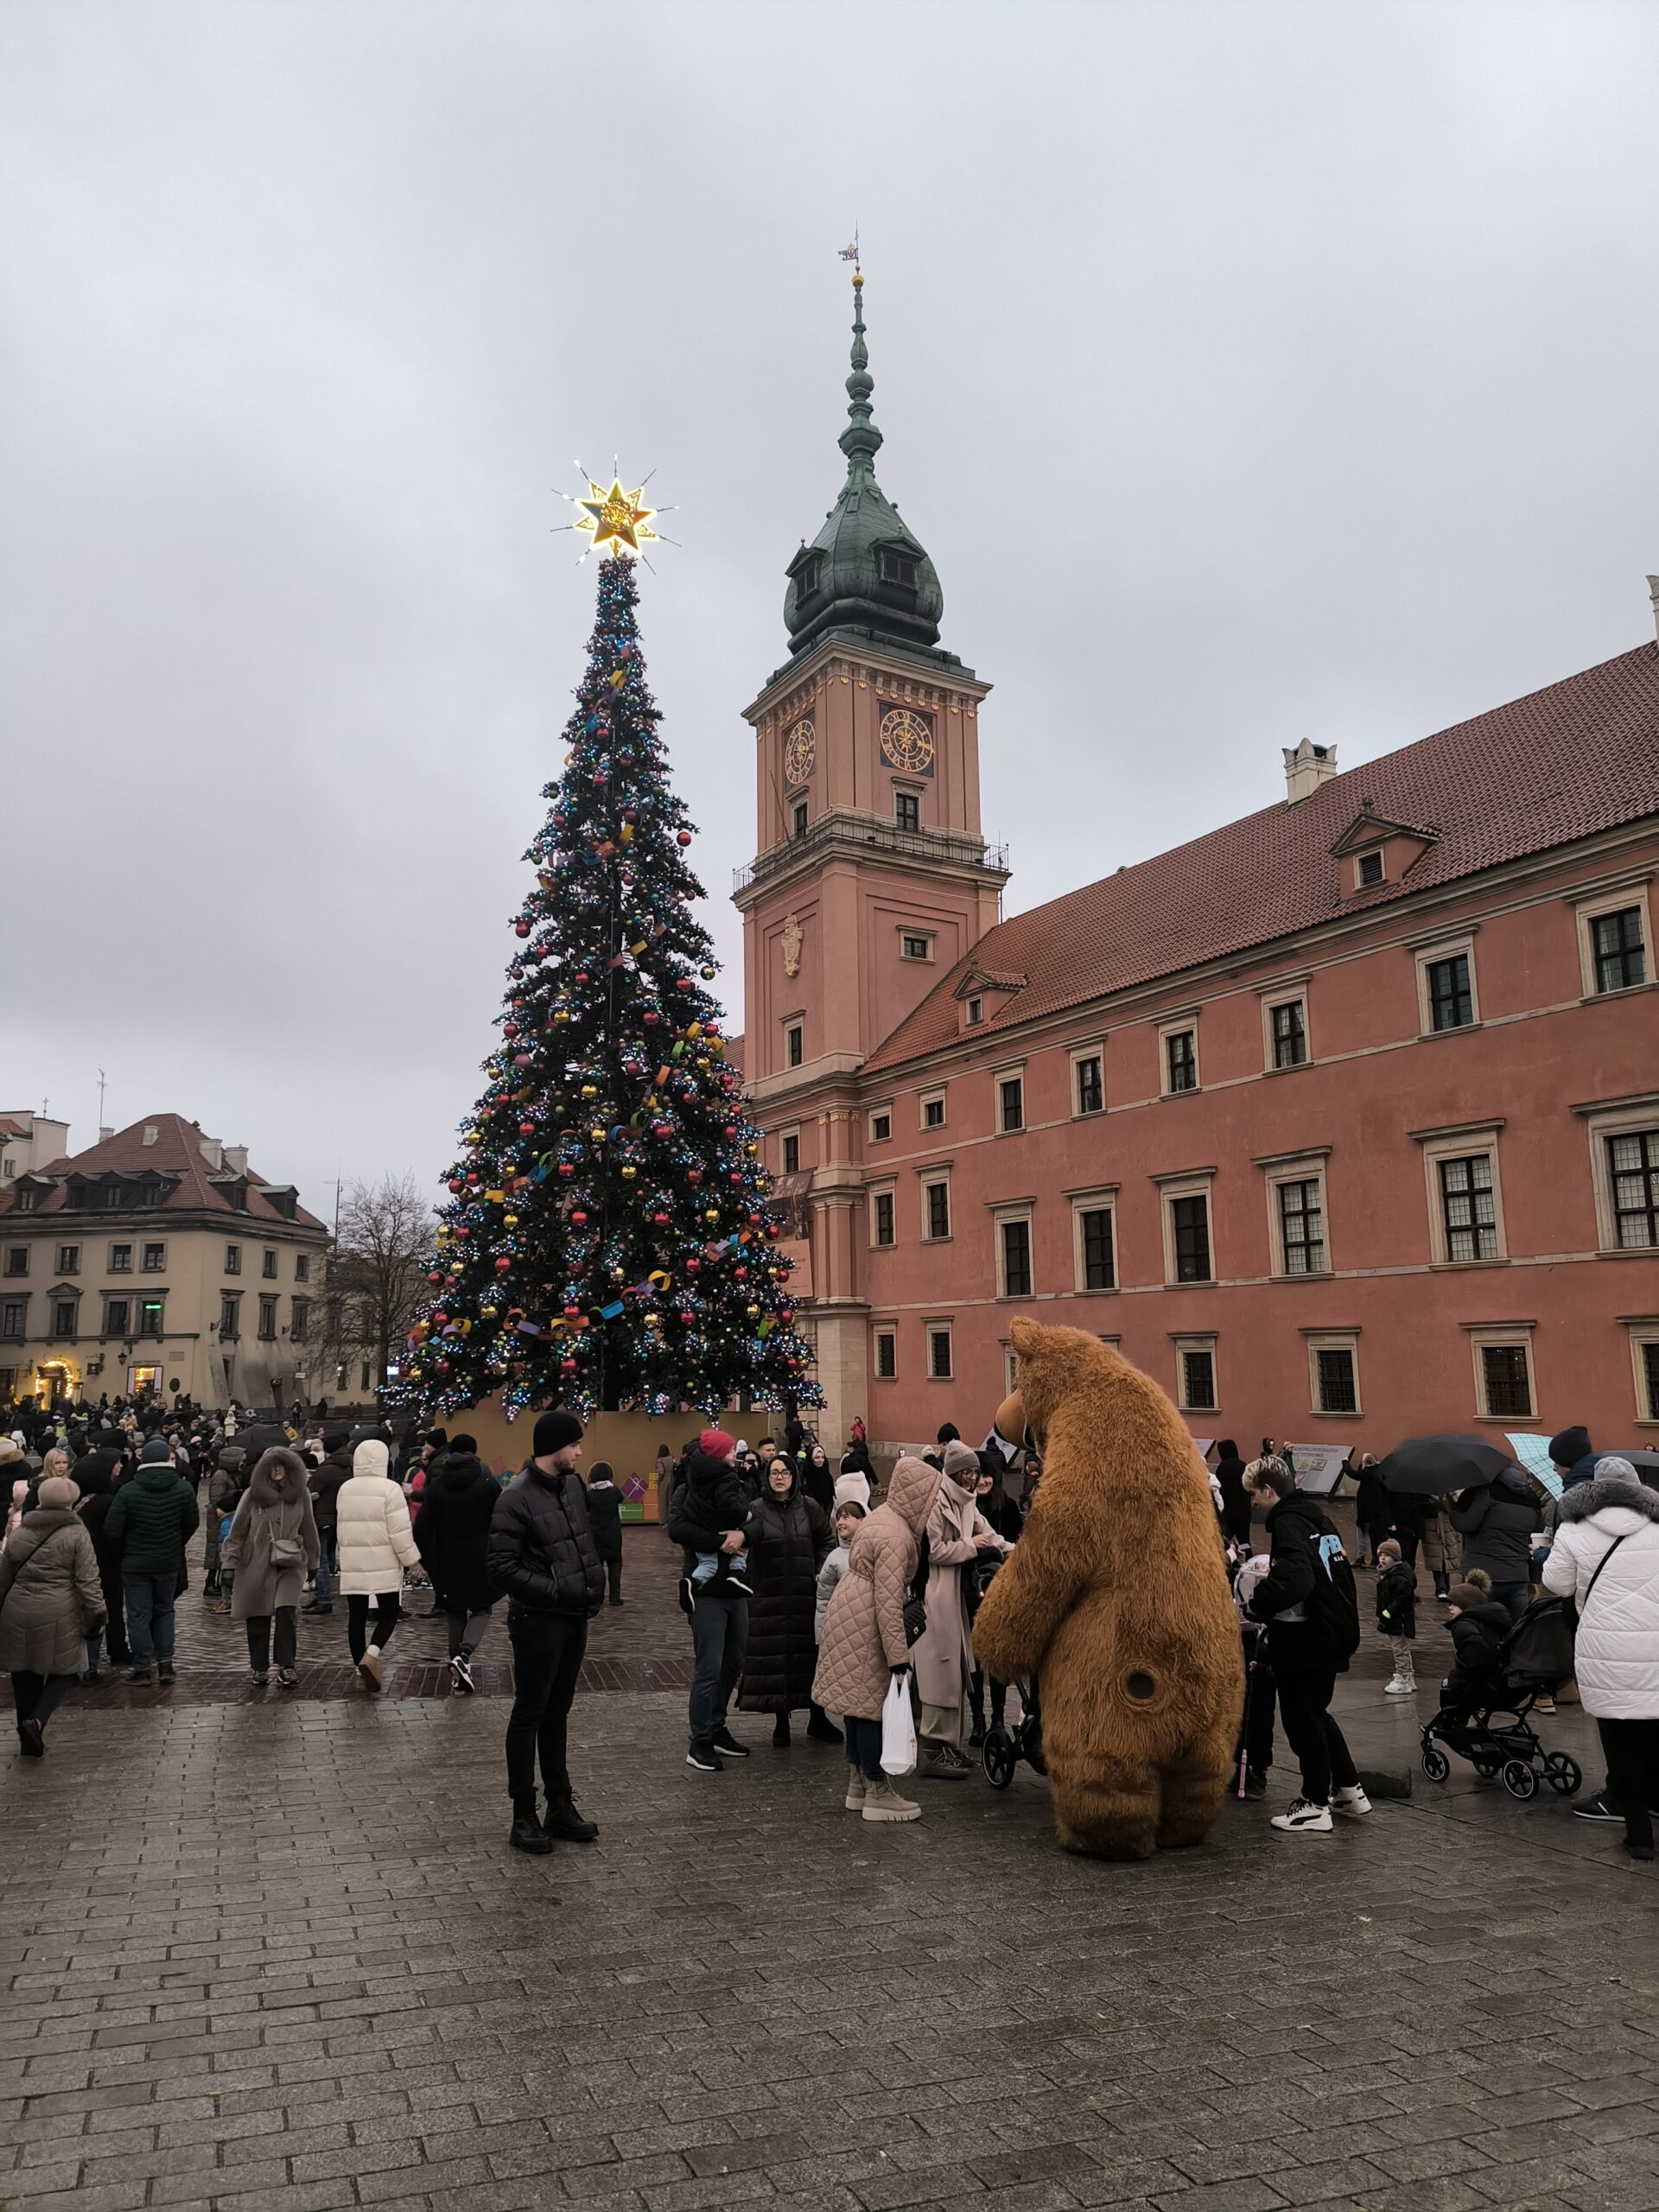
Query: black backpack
(1538, 1649)
(1333, 1602)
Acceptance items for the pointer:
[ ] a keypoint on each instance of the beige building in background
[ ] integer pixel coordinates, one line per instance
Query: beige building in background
(157, 1259)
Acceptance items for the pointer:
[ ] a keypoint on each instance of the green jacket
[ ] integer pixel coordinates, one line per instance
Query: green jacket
(153, 1517)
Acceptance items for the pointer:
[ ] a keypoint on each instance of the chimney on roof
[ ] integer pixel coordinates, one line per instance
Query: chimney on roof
(212, 1152)
(236, 1159)
(1305, 769)
(1653, 594)
(104, 1135)
(151, 1132)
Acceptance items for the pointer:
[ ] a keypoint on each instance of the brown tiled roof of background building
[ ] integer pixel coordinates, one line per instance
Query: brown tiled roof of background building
(176, 1151)
(1562, 764)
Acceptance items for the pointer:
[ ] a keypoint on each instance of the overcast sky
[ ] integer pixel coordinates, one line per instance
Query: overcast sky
(1250, 373)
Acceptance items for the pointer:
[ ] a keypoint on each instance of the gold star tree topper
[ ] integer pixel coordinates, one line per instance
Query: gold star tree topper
(615, 520)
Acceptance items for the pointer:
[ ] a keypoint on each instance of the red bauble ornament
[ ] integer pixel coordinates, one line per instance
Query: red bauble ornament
(660, 1220)
(522, 929)
(567, 1366)
(503, 1264)
(729, 1131)
(526, 1128)
(508, 1030)
(694, 1174)
(691, 1266)
(432, 1275)
(580, 1218)
(584, 979)
(652, 1017)
(683, 838)
(566, 1169)
(687, 1319)
(455, 1183)
(683, 983)
(472, 1175)
(573, 1313)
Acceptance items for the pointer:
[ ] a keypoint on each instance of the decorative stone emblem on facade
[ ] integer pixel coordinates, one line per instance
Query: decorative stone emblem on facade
(907, 740)
(800, 750)
(790, 940)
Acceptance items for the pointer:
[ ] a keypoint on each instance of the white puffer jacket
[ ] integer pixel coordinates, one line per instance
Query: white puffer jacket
(1617, 1655)
(371, 1529)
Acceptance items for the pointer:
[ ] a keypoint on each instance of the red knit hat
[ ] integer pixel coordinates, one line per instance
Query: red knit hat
(715, 1444)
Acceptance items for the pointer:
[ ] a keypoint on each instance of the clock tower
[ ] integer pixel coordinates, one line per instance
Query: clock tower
(871, 878)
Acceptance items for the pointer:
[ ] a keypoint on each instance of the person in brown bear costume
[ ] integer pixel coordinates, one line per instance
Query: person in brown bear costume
(1116, 1596)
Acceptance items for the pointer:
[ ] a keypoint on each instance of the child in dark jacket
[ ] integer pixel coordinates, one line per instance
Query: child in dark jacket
(1396, 1614)
(1479, 1625)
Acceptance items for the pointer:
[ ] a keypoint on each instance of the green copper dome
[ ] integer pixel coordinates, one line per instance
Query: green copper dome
(864, 575)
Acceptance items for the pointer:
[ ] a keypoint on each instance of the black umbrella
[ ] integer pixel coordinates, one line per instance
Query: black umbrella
(1427, 1466)
(1645, 1463)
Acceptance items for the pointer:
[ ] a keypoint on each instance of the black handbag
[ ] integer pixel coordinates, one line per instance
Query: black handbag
(916, 1603)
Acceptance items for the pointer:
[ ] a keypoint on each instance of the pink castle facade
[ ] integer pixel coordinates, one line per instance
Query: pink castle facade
(1341, 1121)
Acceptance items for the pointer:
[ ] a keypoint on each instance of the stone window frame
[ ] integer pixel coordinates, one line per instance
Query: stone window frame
(1304, 1167)
(1186, 1183)
(124, 1299)
(1011, 1071)
(789, 1130)
(875, 1114)
(1612, 897)
(114, 1267)
(146, 1265)
(1457, 1142)
(70, 1266)
(907, 933)
(1078, 1055)
(1174, 1025)
(793, 1025)
(907, 797)
(1642, 1330)
(13, 1271)
(1285, 990)
(1637, 1115)
(61, 1295)
(1319, 1340)
(1002, 1211)
(1427, 952)
(9, 1305)
(1501, 1336)
(926, 1098)
(889, 1330)
(888, 1190)
(941, 1326)
(1101, 1197)
(1202, 1342)
(233, 1260)
(929, 1179)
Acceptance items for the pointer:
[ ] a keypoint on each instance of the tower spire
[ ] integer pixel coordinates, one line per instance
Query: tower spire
(861, 441)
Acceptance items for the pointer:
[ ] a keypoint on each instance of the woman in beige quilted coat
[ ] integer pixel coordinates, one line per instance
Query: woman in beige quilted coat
(863, 1645)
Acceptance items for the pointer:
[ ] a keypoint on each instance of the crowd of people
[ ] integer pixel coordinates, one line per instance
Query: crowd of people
(810, 1589)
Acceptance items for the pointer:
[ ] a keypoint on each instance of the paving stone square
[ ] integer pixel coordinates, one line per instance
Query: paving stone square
(267, 1950)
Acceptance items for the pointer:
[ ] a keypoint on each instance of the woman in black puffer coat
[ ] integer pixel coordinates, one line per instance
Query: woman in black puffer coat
(788, 1541)
(451, 1531)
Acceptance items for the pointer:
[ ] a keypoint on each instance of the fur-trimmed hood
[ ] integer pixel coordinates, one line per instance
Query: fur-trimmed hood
(1586, 1500)
(263, 1491)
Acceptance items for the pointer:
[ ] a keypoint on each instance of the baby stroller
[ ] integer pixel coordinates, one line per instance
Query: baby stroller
(1493, 1730)
(1004, 1747)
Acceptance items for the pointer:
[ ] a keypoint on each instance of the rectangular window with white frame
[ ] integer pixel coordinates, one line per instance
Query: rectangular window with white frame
(1010, 1104)
(1614, 937)
(1195, 1374)
(1094, 1238)
(1624, 1172)
(1644, 1332)
(1286, 1031)
(1447, 997)
(1088, 1081)
(1188, 1257)
(1503, 1370)
(1332, 1371)
(1178, 1044)
(1013, 1229)
(915, 945)
(886, 1354)
(881, 1125)
(933, 1110)
(936, 1210)
(939, 1368)
(794, 1044)
(1465, 1196)
(882, 1230)
(18, 1260)
(788, 1153)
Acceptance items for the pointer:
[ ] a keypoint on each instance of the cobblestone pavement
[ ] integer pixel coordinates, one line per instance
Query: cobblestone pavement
(262, 1954)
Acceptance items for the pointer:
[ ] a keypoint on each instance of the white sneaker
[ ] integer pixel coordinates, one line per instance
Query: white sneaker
(1400, 1687)
(1302, 1818)
(1352, 1800)
(883, 1802)
(855, 1790)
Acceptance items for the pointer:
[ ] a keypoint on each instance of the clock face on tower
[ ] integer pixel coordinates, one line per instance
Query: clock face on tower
(906, 741)
(799, 750)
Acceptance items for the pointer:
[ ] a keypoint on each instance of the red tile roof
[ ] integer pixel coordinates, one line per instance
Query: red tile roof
(1579, 757)
(734, 1053)
(176, 1151)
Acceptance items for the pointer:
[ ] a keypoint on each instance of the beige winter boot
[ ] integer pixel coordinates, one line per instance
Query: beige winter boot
(883, 1802)
(855, 1790)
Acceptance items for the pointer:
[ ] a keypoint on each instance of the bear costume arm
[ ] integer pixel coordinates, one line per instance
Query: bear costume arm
(1035, 1588)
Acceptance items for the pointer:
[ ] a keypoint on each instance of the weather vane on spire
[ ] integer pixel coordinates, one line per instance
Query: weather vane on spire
(850, 253)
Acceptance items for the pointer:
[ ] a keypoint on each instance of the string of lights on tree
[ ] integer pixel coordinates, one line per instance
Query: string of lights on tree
(606, 1240)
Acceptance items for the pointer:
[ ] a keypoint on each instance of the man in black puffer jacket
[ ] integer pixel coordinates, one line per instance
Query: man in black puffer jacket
(540, 1557)
(1497, 1523)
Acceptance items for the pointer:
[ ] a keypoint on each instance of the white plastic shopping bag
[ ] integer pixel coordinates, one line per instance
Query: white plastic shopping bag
(898, 1729)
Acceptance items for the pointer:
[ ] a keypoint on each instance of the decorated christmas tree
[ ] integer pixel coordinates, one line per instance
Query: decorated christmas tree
(606, 1240)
